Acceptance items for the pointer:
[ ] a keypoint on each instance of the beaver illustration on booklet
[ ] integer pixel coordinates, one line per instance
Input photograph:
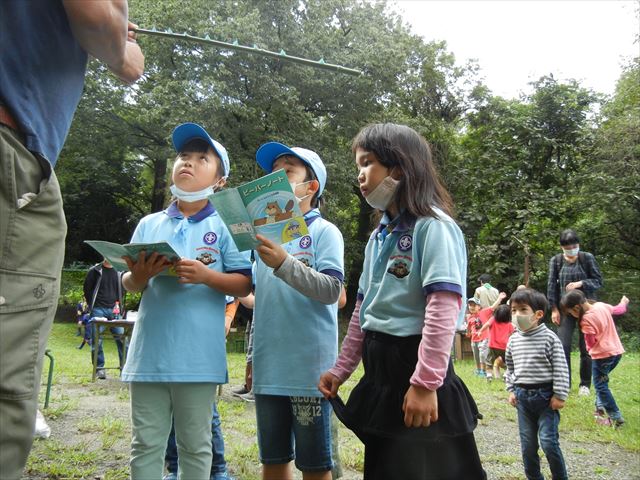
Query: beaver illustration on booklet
(266, 206)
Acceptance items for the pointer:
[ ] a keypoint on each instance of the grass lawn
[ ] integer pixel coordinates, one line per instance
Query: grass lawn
(91, 430)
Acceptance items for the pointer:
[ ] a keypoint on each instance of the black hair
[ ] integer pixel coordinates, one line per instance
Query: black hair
(196, 145)
(571, 299)
(502, 314)
(420, 187)
(199, 145)
(569, 237)
(484, 278)
(529, 296)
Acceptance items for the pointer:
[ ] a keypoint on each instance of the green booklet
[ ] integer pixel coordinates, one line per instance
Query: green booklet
(266, 206)
(114, 253)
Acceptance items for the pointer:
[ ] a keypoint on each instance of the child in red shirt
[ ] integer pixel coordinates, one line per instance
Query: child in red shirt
(480, 341)
(500, 329)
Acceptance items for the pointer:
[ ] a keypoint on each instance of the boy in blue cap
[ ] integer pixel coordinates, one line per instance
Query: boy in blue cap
(297, 287)
(177, 356)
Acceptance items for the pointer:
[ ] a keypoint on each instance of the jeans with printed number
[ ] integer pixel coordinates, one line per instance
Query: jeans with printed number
(108, 314)
(536, 420)
(604, 398)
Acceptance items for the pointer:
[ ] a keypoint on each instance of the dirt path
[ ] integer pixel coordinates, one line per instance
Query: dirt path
(92, 421)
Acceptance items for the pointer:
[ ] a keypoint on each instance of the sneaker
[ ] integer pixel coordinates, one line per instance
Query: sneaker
(618, 423)
(584, 391)
(171, 476)
(242, 390)
(482, 374)
(221, 476)
(599, 413)
(101, 374)
(489, 377)
(248, 397)
(605, 421)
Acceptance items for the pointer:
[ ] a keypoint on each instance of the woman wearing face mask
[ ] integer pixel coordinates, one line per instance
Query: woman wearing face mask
(572, 270)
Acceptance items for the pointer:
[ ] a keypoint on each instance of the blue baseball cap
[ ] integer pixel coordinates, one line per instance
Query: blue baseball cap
(186, 132)
(271, 151)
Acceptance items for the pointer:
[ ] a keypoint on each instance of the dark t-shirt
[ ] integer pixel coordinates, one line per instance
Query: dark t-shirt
(108, 291)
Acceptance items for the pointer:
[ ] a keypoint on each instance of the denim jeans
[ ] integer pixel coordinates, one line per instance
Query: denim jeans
(108, 314)
(536, 420)
(218, 463)
(604, 398)
(565, 333)
(294, 428)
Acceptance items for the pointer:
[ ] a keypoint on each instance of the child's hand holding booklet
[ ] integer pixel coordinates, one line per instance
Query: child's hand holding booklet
(114, 253)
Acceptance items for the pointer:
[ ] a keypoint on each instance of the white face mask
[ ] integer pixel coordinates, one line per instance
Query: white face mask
(572, 252)
(383, 193)
(524, 322)
(191, 197)
(295, 185)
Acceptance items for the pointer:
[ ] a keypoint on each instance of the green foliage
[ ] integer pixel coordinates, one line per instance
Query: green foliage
(71, 287)
(519, 170)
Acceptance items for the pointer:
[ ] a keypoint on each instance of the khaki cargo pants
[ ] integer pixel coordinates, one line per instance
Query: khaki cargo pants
(31, 256)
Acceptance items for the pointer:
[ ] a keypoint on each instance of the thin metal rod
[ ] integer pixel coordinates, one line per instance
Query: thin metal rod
(282, 55)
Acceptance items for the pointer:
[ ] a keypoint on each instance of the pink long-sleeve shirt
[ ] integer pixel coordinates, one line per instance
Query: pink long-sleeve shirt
(441, 312)
(600, 335)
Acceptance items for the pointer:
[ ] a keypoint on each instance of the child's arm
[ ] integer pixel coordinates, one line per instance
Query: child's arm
(229, 314)
(485, 327)
(496, 304)
(508, 375)
(248, 301)
(420, 402)
(194, 271)
(318, 286)
(560, 373)
(621, 308)
(349, 358)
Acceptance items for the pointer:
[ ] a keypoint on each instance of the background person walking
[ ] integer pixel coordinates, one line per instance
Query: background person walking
(570, 270)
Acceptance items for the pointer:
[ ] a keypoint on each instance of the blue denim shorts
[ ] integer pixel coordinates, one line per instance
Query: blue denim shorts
(302, 424)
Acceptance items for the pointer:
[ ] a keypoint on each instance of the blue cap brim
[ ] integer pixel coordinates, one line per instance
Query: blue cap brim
(268, 153)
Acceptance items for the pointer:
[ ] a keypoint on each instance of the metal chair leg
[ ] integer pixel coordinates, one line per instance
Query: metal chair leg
(49, 379)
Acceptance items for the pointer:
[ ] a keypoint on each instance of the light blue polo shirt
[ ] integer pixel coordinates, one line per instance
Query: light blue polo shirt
(403, 266)
(296, 338)
(179, 334)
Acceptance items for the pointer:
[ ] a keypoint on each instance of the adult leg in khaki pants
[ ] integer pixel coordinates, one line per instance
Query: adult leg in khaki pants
(32, 236)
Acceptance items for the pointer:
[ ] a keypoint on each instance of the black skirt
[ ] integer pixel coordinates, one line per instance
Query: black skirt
(374, 408)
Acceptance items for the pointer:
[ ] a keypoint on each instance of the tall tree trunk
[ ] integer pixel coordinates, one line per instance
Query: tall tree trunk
(159, 184)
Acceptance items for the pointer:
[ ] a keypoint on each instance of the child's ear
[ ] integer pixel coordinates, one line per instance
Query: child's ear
(396, 173)
(221, 182)
(314, 186)
(539, 314)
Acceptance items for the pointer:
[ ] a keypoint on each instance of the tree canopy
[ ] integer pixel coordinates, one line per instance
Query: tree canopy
(520, 170)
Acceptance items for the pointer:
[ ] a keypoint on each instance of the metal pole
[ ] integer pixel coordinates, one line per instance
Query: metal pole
(49, 379)
(282, 55)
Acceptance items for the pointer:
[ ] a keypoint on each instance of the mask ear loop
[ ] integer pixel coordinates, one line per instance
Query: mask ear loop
(222, 179)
